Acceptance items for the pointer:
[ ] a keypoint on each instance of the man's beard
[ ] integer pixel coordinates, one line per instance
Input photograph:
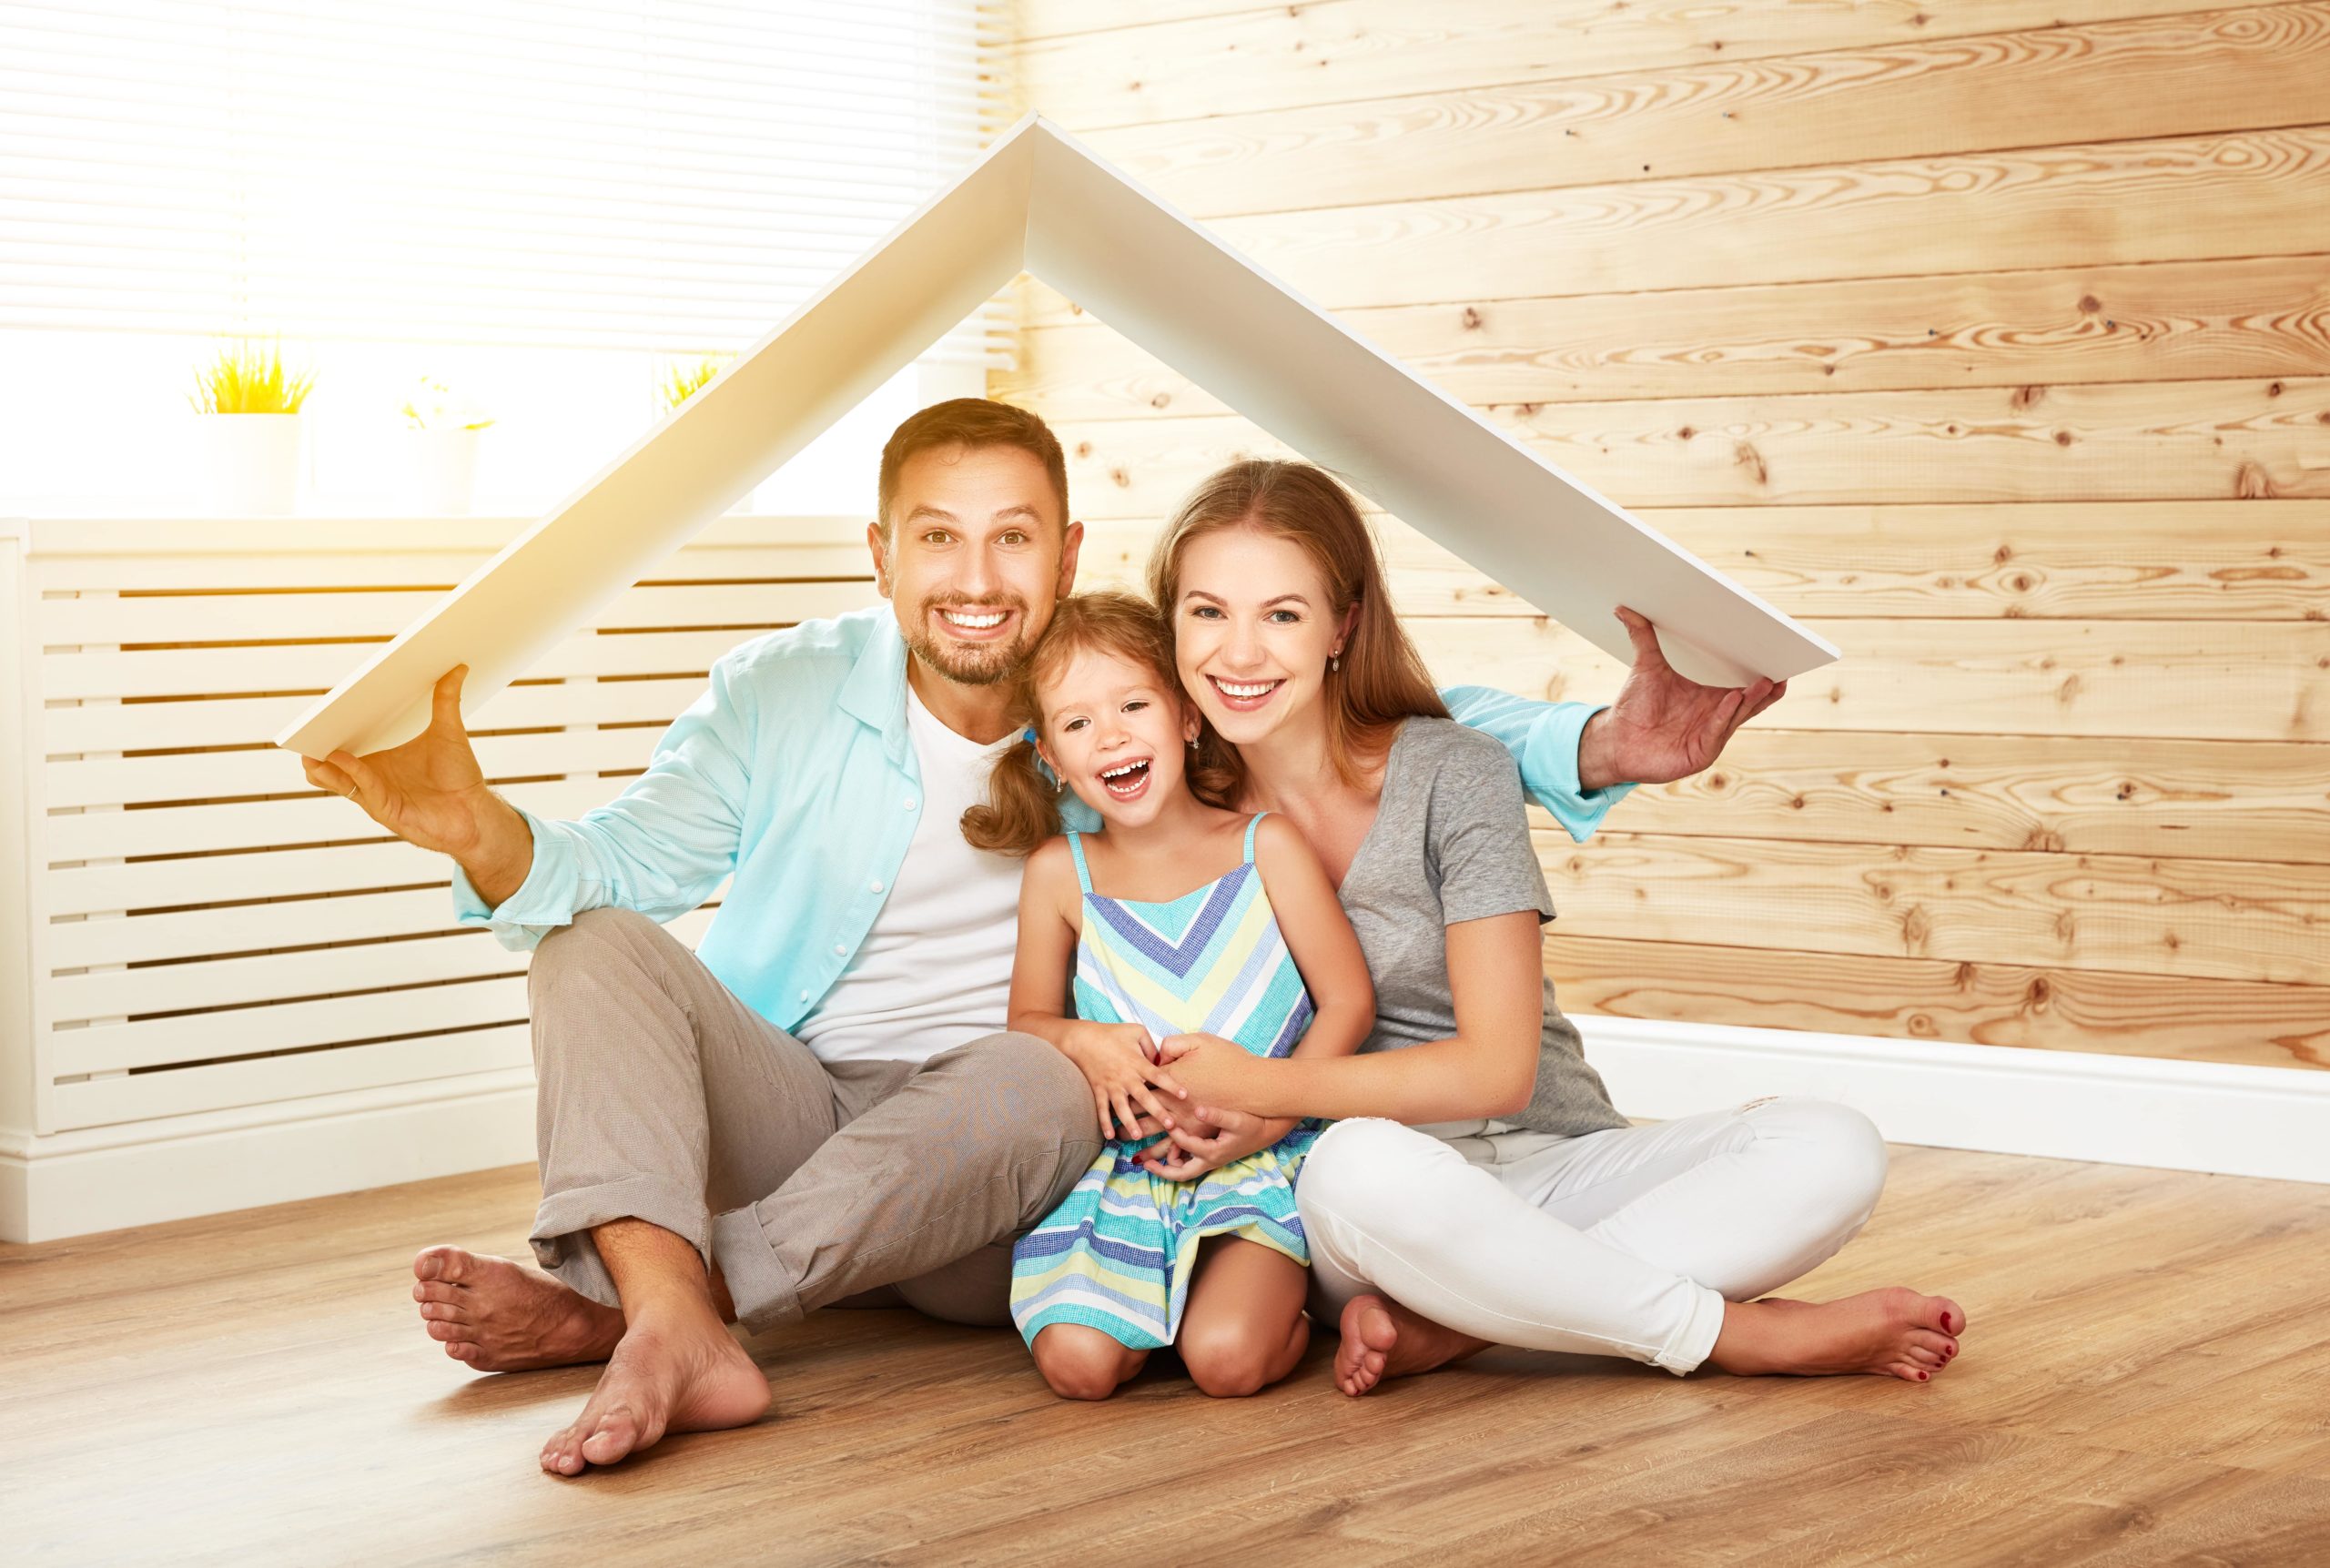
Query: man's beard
(969, 663)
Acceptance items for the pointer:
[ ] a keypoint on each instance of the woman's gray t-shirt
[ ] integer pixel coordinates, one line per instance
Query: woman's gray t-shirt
(1451, 843)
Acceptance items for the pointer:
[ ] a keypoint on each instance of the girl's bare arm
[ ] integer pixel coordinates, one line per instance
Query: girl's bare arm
(1045, 959)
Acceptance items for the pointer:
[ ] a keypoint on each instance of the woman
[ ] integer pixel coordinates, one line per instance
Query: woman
(1517, 1205)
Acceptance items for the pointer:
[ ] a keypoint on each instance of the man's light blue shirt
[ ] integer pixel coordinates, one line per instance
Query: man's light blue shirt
(795, 771)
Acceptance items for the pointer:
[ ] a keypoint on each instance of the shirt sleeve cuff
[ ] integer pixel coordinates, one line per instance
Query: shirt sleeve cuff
(1455, 911)
(542, 903)
(1553, 767)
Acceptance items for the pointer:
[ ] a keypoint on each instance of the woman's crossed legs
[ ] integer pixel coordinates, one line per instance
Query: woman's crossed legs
(1648, 1242)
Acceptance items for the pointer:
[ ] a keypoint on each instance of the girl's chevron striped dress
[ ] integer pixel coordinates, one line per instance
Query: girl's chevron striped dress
(1117, 1253)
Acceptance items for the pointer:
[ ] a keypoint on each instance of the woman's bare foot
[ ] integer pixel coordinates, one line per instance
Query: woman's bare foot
(676, 1370)
(1381, 1338)
(1892, 1332)
(500, 1316)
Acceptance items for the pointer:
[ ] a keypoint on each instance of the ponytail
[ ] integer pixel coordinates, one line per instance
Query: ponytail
(1022, 806)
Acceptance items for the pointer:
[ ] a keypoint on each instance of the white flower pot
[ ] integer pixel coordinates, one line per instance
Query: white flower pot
(442, 471)
(250, 464)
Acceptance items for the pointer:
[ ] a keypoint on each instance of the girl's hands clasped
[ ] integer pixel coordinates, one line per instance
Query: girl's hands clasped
(1217, 1071)
(1207, 1138)
(1118, 1061)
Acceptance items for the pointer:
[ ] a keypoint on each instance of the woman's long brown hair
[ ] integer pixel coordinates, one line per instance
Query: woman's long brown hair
(1022, 807)
(1382, 679)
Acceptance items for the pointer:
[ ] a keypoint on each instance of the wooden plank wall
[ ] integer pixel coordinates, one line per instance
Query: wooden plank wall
(1991, 338)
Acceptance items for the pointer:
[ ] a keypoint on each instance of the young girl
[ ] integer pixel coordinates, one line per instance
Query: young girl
(1181, 920)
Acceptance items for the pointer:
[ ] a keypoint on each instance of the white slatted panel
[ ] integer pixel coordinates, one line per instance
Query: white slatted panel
(214, 932)
(255, 720)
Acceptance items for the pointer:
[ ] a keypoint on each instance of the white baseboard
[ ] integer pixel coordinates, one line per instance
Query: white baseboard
(2215, 1117)
(2062, 1104)
(103, 1179)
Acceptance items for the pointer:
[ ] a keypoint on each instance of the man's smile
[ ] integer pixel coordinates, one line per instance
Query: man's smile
(975, 622)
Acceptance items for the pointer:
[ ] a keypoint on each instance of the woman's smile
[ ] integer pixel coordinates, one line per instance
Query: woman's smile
(1244, 696)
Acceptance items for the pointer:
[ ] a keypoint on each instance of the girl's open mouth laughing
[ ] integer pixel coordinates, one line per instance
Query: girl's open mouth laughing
(1126, 780)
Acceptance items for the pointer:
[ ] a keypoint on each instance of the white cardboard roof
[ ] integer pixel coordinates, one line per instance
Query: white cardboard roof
(1040, 201)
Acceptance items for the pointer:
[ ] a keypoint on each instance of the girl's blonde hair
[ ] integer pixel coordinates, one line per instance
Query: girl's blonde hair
(1022, 807)
(1379, 678)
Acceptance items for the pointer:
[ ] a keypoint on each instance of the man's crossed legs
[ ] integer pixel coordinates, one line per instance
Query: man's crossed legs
(701, 1166)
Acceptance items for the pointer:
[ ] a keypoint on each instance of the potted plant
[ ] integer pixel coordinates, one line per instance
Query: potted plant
(682, 381)
(443, 432)
(250, 430)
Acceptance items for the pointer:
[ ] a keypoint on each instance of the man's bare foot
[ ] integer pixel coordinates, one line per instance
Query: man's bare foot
(500, 1316)
(1381, 1338)
(676, 1370)
(1892, 1332)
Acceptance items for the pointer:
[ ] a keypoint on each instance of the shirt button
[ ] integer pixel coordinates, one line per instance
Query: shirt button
(876, 886)
(840, 951)
(805, 995)
(909, 803)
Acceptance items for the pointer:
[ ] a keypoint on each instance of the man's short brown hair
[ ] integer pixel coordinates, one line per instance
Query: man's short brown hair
(971, 422)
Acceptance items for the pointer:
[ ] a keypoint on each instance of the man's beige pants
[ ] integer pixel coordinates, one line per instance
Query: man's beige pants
(811, 1184)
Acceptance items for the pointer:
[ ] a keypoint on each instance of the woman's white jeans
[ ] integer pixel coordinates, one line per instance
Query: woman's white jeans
(1625, 1242)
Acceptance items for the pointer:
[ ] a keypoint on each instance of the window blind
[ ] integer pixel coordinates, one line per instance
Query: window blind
(673, 176)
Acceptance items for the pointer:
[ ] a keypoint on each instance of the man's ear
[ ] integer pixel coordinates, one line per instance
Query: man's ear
(1071, 544)
(881, 558)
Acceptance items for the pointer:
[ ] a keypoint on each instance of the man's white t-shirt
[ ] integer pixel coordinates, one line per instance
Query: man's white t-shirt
(935, 971)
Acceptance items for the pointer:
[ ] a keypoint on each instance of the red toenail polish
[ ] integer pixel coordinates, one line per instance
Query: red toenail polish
(1922, 1377)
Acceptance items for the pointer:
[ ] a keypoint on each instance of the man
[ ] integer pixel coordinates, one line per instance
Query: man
(817, 1107)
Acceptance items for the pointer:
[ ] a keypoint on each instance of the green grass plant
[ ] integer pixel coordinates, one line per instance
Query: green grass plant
(681, 382)
(436, 409)
(244, 380)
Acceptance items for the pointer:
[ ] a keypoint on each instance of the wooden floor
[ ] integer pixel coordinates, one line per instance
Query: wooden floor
(2144, 1382)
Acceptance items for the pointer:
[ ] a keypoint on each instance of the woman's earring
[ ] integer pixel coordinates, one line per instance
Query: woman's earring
(1334, 661)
